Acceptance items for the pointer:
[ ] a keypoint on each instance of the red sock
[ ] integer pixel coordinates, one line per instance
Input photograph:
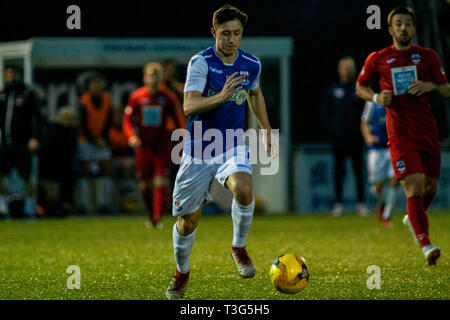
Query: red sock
(427, 199)
(418, 218)
(158, 203)
(148, 201)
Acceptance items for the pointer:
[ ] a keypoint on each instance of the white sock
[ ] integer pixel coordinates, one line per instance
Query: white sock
(242, 220)
(182, 247)
(390, 202)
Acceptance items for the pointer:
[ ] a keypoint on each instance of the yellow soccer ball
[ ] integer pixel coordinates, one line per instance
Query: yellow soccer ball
(289, 273)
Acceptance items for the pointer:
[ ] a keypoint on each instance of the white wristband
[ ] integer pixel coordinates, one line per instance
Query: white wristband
(374, 99)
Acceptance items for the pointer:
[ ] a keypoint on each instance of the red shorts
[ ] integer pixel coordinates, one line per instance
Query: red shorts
(150, 163)
(409, 157)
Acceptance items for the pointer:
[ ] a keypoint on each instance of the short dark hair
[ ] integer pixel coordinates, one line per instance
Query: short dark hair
(228, 13)
(401, 10)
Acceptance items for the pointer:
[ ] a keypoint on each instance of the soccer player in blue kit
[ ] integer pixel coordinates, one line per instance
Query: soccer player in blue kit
(381, 172)
(219, 80)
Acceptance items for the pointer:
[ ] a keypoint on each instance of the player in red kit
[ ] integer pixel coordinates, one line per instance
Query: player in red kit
(406, 74)
(144, 123)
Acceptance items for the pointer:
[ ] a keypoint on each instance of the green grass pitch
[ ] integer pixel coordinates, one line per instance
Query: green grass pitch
(120, 259)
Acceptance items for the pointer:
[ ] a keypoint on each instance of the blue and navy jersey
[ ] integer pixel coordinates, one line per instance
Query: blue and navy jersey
(375, 115)
(207, 73)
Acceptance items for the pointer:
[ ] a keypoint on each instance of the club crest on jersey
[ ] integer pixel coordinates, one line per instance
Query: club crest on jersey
(240, 97)
(415, 57)
(245, 74)
(401, 166)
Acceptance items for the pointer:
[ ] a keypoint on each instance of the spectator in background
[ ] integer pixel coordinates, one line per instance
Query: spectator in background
(57, 165)
(20, 120)
(94, 152)
(341, 114)
(169, 79)
(123, 163)
(148, 110)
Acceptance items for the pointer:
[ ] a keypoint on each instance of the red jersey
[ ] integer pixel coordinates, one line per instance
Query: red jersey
(407, 115)
(147, 114)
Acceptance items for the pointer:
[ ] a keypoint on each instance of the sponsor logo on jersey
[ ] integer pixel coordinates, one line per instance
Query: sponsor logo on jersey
(215, 70)
(390, 60)
(401, 166)
(193, 60)
(415, 57)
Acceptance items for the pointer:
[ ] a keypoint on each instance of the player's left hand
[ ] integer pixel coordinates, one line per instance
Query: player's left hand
(271, 144)
(418, 88)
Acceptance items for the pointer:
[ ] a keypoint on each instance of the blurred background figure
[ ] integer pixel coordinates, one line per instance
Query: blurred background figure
(57, 165)
(341, 114)
(381, 173)
(94, 153)
(20, 121)
(169, 79)
(145, 124)
(123, 171)
(170, 82)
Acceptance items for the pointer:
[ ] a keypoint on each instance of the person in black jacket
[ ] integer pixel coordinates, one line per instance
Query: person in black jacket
(58, 165)
(341, 114)
(19, 131)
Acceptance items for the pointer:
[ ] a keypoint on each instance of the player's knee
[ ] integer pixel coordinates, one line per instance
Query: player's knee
(430, 189)
(186, 225)
(378, 187)
(413, 189)
(243, 193)
(393, 182)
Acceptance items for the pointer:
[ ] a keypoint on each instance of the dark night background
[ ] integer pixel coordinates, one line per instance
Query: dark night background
(323, 32)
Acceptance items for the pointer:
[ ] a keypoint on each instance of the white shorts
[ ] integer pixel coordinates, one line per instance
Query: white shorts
(379, 165)
(87, 151)
(194, 179)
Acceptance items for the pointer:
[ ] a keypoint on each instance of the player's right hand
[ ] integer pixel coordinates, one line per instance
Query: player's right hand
(232, 85)
(371, 140)
(384, 97)
(134, 142)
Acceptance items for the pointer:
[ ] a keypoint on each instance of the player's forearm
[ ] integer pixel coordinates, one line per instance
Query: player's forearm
(365, 131)
(365, 93)
(258, 108)
(198, 104)
(127, 124)
(443, 90)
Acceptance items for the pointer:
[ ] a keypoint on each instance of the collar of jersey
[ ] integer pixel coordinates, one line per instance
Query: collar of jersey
(227, 64)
